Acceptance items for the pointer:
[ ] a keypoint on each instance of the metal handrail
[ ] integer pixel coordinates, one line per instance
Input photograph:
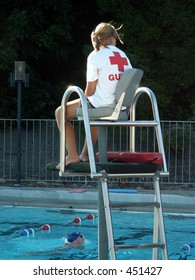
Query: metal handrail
(156, 117)
(82, 97)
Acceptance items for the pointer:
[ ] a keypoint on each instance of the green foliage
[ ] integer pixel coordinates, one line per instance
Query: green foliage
(40, 33)
(159, 38)
(53, 37)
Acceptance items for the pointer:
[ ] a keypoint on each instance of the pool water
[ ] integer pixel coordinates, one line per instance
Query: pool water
(22, 236)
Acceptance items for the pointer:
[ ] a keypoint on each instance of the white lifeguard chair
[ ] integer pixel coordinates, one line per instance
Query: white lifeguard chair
(123, 115)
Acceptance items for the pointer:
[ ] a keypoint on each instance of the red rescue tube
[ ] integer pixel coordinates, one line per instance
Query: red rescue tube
(134, 157)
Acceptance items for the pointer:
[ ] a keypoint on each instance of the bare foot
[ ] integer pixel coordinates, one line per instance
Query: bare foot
(58, 166)
(84, 158)
(70, 160)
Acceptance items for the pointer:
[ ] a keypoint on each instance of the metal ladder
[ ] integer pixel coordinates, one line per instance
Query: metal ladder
(106, 247)
(159, 238)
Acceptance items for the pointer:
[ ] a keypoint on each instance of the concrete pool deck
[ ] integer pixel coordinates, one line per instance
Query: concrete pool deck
(174, 201)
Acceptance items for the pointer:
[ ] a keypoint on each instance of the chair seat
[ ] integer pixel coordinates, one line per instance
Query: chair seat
(98, 113)
(95, 113)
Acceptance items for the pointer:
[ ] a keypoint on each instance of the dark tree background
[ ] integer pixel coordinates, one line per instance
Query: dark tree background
(53, 37)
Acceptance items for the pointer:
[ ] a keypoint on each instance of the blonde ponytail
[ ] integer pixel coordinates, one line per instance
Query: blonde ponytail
(102, 33)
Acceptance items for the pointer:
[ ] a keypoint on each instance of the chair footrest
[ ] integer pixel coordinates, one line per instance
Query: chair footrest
(139, 246)
(109, 167)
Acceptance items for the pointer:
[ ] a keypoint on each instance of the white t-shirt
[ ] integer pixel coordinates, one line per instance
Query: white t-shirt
(106, 66)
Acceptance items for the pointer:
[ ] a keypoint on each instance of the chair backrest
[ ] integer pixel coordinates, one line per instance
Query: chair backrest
(125, 90)
(128, 83)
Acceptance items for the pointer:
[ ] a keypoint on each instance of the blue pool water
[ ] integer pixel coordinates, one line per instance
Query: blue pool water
(129, 228)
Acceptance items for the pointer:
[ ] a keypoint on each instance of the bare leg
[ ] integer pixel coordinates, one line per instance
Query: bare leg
(71, 108)
(94, 135)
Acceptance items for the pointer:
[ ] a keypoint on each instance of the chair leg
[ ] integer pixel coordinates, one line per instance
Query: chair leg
(108, 219)
(160, 218)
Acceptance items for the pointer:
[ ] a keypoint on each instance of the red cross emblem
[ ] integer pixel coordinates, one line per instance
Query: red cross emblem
(119, 60)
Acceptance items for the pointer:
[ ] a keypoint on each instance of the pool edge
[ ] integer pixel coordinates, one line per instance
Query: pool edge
(88, 198)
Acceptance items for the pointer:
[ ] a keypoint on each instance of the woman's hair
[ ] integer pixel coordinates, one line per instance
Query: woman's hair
(102, 33)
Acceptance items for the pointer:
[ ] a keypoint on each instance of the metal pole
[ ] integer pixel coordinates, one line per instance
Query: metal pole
(102, 229)
(19, 76)
(19, 133)
(160, 217)
(102, 143)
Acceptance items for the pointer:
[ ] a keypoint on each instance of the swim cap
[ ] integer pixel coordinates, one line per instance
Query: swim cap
(73, 236)
(185, 248)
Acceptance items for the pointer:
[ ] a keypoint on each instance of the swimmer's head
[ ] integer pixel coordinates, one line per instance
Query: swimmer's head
(184, 252)
(74, 239)
(185, 249)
